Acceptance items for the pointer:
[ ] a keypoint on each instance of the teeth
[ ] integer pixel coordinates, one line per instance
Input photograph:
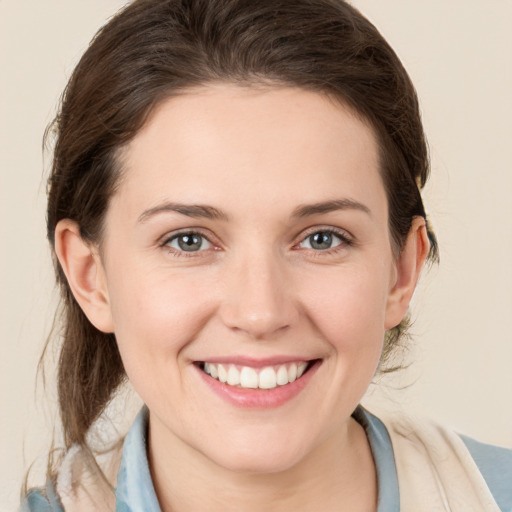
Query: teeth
(282, 376)
(301, 368)
(213, 371)
(247, 377)
(268, 378)
(233, 376)
(292, 372)
(223, 374)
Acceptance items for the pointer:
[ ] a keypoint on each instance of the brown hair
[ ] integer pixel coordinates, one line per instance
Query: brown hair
(157, 48)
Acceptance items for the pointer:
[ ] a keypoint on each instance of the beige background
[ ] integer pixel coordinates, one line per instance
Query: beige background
(459, 54)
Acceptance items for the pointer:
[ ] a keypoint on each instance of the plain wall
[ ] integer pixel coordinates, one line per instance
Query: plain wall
(459, 55)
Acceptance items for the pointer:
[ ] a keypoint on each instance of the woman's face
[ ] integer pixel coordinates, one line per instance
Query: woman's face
(249, 239)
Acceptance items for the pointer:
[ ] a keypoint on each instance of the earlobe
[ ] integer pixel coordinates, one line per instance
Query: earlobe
(408, 268)
(84, 272)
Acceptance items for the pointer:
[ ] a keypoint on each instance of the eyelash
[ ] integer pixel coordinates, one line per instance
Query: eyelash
(181, 253)
(345, 241)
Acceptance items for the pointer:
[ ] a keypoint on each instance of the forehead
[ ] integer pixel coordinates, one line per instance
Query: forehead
(218, 143)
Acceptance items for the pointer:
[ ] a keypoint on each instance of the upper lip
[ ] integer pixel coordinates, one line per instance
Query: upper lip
(254, 362)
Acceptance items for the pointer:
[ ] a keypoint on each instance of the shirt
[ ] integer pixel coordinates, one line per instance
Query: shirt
(135, 491)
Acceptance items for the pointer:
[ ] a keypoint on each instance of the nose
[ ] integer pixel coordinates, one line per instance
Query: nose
(258, 298)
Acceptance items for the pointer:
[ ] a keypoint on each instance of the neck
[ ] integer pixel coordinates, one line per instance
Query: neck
(338, 475)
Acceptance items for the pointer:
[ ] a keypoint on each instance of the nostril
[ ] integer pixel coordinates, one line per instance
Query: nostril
(257, 324)
(259, 321)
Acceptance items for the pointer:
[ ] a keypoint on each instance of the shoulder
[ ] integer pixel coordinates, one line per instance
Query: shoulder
(41, 500)
(455, 458)
(495, 464)
(84, 481)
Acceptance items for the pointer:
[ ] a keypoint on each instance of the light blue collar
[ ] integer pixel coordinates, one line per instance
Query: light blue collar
(135, 491)
(382, 451)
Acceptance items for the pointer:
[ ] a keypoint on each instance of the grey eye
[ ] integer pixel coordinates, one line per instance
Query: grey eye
(321, 241)
(189, 242)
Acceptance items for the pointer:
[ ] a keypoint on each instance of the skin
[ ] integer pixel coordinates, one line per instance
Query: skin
(257, 288)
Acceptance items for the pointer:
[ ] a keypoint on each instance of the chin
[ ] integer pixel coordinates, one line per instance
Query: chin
(259, 465)
(258, 456)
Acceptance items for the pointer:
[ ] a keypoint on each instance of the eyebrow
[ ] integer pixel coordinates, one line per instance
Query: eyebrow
(329, 206)
(210, 212)
(190, 210)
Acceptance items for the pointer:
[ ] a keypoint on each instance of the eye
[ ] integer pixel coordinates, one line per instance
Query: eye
(189, 242)
(323, 240)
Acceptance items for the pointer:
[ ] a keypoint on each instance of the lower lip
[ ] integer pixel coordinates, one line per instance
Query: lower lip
(259, 398)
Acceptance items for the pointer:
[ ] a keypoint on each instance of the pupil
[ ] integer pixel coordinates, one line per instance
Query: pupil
(189, 242)
(321, 241)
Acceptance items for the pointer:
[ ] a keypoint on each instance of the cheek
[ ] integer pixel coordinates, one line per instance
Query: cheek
(155, 316)
(348, 307)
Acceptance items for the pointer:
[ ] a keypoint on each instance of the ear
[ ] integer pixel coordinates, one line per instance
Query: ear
(408, 268)
(83, 268)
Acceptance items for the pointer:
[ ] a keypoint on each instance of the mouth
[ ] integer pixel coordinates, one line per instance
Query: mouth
(249, 377)
(257, 384)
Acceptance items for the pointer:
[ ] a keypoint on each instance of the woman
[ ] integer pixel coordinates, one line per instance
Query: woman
(235, 213)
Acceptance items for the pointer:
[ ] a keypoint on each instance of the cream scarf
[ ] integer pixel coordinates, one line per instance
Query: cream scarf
(435, 473)
(435, 470)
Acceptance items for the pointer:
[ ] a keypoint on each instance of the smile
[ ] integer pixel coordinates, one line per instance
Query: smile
(258, 384)
(247, 377)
